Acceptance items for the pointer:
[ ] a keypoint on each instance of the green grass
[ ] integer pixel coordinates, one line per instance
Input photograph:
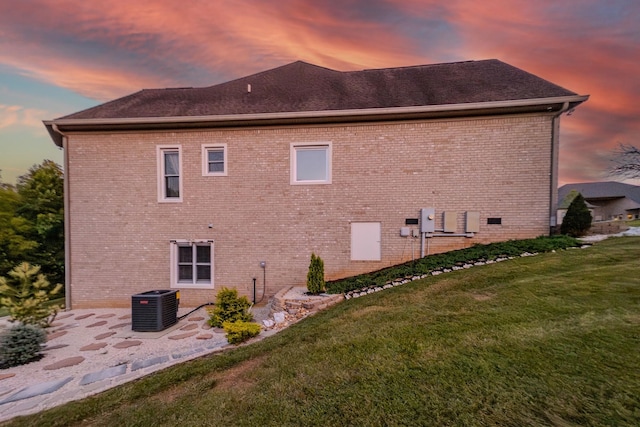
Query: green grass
(550, 340)
(634, 223)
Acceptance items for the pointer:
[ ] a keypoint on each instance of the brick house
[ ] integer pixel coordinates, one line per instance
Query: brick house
(199, 188)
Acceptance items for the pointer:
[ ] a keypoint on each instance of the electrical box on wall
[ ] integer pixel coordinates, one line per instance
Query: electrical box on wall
(472, 222)
(404, 231)
(450, 222)
(427, 220)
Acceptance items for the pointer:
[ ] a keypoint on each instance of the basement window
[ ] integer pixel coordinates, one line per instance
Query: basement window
(192, 264)
(494, 221)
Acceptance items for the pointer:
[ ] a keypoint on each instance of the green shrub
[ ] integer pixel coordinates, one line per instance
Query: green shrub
(21, 344)
(237, 332)
(315, 276)
(439, 261)
(577, 220)
(26, 294)
(229, 308)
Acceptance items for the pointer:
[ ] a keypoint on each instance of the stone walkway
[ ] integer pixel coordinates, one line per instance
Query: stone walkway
(89, 351)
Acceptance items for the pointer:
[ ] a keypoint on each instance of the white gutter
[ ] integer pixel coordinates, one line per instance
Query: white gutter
(323, 113)
(553, 175)
(67, 239)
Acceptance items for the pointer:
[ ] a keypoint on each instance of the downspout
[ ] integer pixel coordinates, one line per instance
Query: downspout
(67, 229)
(555, 153)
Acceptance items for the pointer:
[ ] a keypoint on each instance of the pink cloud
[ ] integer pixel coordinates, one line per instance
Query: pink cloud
(108, 49)
(588, 47)
(104, 50)
(15, 115)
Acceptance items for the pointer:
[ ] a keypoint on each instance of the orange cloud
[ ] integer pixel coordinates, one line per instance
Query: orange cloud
(15, 115)
(104, 50)
(108, 49)
(590, 48)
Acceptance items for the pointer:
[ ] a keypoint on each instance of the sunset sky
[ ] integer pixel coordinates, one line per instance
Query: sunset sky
(61, 56)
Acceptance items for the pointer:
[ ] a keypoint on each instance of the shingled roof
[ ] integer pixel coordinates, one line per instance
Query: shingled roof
(599, 191)
(300, 86)
(304, 93)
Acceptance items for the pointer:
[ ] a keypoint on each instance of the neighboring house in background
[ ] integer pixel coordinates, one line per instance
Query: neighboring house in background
(606, 200)
(565, 202)
(199, 188)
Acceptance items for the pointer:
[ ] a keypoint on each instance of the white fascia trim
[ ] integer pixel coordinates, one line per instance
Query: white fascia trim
(324, 113)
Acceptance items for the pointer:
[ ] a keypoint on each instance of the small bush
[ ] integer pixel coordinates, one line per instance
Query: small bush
(237, 332)
(315, 276)
(26, 293)
(21, 344)
(229, 308)
(577, 220)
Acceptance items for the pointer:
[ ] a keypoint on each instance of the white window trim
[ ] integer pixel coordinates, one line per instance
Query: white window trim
(293, 165)
(205, 159)
(160, 150)
(173, 257)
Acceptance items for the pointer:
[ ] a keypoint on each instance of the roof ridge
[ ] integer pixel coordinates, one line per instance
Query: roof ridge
(426, 65)
(271, 71)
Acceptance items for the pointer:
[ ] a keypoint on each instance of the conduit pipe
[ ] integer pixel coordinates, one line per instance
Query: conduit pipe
(431, 236)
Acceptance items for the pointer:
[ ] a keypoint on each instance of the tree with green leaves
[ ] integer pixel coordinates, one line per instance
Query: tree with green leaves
(577, 220)
(41, 203)
(315, 276)
(15, 232)
(26, 293)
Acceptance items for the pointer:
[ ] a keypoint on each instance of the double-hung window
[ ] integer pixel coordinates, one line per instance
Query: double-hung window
(311, 163)
(192, 264)
(169, 173)
(214, 160)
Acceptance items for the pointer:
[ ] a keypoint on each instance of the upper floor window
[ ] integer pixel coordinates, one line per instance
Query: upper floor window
(214, 160)
(169, 174)
(311, 163)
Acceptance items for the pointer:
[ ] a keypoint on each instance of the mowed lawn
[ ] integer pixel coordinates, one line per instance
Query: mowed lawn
(549, 340)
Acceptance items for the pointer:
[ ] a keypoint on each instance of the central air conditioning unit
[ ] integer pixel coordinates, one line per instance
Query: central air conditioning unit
(154, 311)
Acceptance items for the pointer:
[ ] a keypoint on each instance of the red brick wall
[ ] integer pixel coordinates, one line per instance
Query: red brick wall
(384, 173)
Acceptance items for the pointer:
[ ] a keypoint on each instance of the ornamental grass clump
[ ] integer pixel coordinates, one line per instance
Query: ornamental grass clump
(20, 345)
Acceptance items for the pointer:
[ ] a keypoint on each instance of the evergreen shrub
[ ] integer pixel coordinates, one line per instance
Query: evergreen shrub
(21, 344)
(577, 220)
(315, 276)
(229, 308)
(237, 332)
(26, 295)
(429, 263)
